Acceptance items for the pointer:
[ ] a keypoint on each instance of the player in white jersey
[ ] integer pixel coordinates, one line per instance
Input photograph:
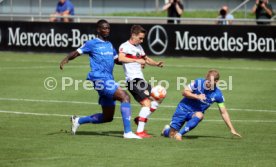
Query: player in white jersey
(133, 57)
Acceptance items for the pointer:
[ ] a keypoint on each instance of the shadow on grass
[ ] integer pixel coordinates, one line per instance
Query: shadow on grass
(90, 133)
(106, 133)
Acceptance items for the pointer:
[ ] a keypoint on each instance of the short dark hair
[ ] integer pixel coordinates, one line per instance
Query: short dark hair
(101, 22)
(136, 29)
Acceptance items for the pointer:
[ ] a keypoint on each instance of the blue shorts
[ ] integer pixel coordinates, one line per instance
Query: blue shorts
(180, 116)
(106, 89)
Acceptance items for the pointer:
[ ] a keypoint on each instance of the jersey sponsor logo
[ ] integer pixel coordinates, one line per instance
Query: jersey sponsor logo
(157, 40)
(102, 47)
(106, 53)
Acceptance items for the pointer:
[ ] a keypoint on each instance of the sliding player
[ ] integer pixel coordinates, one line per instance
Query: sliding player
(198, 97)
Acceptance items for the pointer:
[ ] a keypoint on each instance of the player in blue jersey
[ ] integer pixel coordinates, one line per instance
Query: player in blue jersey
(102, 57)
(198, 97)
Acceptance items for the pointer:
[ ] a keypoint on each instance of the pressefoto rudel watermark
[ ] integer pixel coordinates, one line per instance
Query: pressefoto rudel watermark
(64, 83)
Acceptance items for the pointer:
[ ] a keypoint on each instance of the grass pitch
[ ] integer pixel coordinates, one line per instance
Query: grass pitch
(34, 121)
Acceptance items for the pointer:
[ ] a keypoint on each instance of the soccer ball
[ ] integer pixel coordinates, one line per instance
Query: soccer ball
(158, 92)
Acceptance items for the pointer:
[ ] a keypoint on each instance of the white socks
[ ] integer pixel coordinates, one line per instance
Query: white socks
(145, 112)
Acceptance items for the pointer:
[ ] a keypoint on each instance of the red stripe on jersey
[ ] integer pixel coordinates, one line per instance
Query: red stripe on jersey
(134, 57)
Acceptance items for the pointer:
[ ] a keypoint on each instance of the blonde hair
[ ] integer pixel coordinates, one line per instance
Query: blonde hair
(213, 73)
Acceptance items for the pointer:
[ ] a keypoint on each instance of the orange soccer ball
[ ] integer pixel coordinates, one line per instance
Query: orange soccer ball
(158, 92)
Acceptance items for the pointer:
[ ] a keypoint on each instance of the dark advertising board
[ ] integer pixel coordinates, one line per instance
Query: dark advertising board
(169, 40)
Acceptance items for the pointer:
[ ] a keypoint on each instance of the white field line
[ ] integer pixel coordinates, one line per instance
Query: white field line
(136, 105)
(156, 119)
(223, 67)
(166, 65)
(41, 67)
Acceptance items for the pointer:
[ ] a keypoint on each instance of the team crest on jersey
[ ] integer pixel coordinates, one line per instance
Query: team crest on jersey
(138, 54)
(146, 92)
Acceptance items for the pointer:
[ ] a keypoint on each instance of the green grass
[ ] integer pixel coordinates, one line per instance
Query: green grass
(44, 140)
(186, 14)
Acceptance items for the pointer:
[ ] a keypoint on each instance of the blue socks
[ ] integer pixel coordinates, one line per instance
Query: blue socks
(95, 119)
(126, 116)
(98, 118)
(190, 125)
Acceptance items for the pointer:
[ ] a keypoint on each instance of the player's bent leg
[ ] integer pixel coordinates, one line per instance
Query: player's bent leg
(143, 118)
(200, 115)
(94, 119)
(192, 123)
(178, 119)
(140, 130)
(121, 96)
(173, 132)
(148, 107)
(108, 113)
(153, 106)
(108, 109)
(145, 111)
(168, 131)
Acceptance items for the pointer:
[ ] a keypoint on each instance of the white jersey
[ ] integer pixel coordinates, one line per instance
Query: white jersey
(132, 70)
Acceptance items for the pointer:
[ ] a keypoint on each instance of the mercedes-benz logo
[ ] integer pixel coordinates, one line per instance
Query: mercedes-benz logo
(157, 40)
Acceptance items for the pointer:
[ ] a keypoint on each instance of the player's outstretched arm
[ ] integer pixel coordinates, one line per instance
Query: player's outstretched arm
(70, 56)
(123, 59)
(225, 116)
(151, 62)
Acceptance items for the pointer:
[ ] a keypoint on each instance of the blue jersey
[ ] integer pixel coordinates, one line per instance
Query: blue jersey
(67, 5)
(195, 105)
(102, 55)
